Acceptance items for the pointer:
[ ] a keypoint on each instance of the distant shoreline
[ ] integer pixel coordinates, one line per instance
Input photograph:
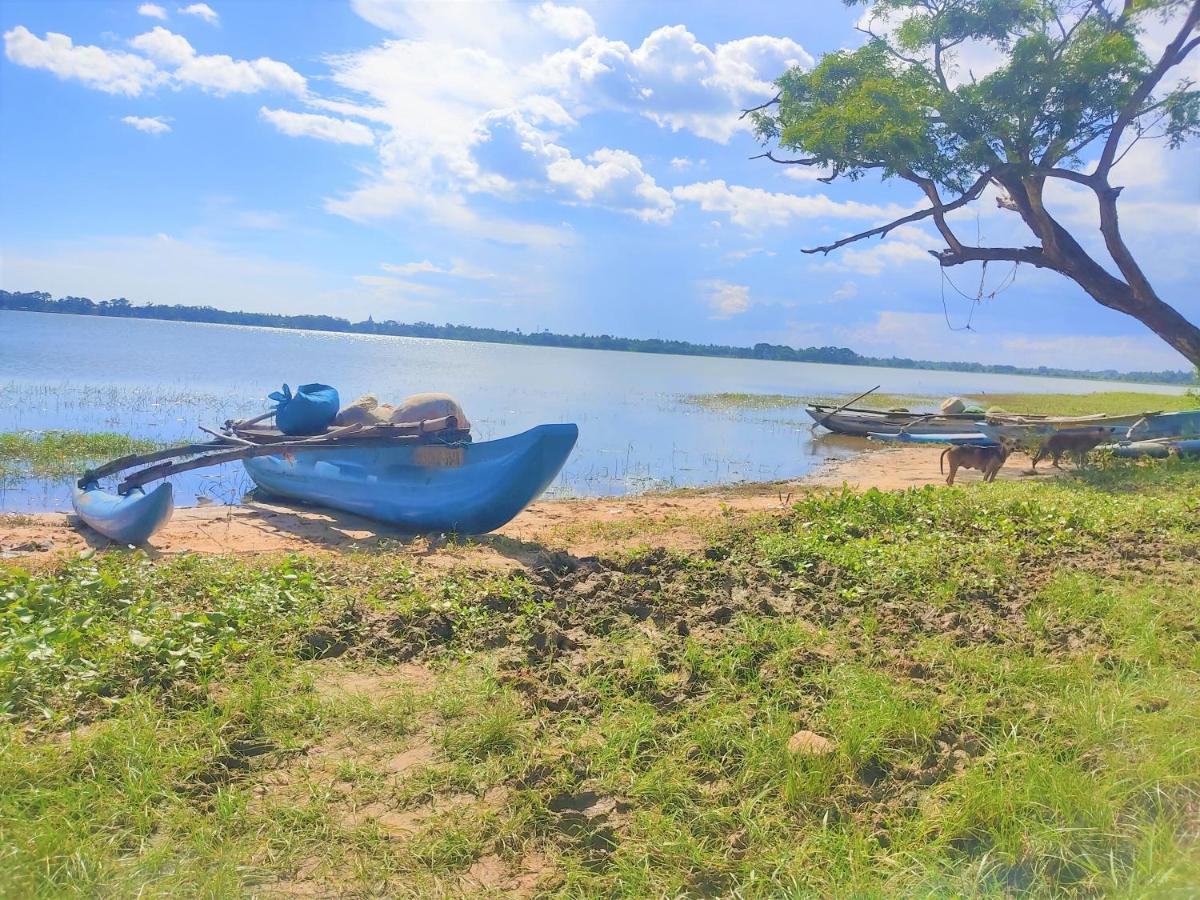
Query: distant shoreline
(41, 302)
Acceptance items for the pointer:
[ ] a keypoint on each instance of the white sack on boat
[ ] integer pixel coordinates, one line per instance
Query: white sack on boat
(367, 410)
(421, 407)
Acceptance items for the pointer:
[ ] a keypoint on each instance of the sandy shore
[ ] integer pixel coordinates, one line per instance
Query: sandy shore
(580, 527)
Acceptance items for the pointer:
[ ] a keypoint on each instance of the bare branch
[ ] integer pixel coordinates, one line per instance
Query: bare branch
(1031, 255)
(881, 231)
(811, 161)
(761, 106)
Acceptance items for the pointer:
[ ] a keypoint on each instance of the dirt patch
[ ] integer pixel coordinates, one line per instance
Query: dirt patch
(334, 681)
(520, 879)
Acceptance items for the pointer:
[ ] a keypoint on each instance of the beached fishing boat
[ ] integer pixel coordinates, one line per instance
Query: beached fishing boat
(862, 422)
(1159, 449)
(400, 474)
(974, 438)
(1027, 430)
(466, 488)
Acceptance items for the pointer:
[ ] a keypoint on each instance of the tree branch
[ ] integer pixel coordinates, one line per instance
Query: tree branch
(761, 106)
(1174, 54)
(882, 230)
(1031, 255)
(811, 161)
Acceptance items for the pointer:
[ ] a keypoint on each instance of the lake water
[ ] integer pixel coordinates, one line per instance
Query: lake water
(162, 379)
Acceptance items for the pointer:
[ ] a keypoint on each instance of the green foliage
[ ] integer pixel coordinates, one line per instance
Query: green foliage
(900, 104)
(1005, 674)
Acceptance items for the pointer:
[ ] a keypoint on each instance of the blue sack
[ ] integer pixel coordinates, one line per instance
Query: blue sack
(310, 410)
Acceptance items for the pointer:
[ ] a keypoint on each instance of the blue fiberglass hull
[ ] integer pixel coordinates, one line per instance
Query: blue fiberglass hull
(129, 519)
(470, 489)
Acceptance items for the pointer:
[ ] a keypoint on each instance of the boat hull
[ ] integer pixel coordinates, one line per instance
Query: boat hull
(127, 519)
(1175, 424)
(865, 422)
(973, 438)
(1029, 432)
(1159, 449)
(468, 489)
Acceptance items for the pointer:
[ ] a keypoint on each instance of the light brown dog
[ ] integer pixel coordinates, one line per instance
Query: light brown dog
(988, 460)
(1077, 442)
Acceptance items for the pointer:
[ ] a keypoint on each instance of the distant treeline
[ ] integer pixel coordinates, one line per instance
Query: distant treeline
(40, 301)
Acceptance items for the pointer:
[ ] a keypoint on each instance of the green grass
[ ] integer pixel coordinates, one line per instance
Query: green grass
(1113, 402)
(57, 454)
(1008, 674)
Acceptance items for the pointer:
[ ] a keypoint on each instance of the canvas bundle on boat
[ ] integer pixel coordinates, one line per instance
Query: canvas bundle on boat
(441, 413)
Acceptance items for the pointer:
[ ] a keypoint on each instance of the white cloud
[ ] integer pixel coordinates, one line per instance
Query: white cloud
(568, 22)
(202, 11)
(153, 10)
(847, 290)
(164, 46)
(673, 79)
(219, 74)
(148, 124)
(111, 71)
(323, 128)
(457, 269)
(679, 163)
(615, 180)
(726, 299)
(883, 256)
(755, 209)
(508, 151)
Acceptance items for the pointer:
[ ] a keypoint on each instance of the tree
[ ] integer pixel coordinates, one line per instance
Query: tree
(1075, 90)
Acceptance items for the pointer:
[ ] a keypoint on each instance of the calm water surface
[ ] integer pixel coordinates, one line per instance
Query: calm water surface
(162, 379)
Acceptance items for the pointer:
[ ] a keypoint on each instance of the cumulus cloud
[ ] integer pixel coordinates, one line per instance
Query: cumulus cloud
(153, 10)
(219, 73)
(148, 124)
(323, 128)
(168, 59)
(201, 11)
(755, 209)
(496, 105)
(568, 22)
(673, 79)
(726, 299)
(110, 71)
(510, 152)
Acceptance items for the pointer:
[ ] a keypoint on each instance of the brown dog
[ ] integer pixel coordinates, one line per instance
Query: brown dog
(1077, 442)
(988, 460)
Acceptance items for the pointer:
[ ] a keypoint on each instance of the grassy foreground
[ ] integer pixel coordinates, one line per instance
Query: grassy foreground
(991, 690)
(57, 454)
(1112, 402)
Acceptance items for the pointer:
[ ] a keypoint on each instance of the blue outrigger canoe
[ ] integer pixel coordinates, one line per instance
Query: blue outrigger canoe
(465, 487)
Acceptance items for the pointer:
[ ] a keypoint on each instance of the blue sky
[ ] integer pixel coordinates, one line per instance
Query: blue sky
(520, 165)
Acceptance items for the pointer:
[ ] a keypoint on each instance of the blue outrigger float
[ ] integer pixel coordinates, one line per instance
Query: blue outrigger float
(402, 475)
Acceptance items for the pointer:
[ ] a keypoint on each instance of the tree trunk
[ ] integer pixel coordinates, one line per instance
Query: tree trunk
(1161, 318)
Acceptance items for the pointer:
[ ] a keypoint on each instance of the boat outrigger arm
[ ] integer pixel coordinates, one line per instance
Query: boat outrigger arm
(131, 515)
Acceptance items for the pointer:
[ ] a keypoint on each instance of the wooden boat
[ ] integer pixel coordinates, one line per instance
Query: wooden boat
(862, 422)
(465, 488)
(974, 438)
(1185, 423)
(1160, 449)
(404, 474)
(1026, 430)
